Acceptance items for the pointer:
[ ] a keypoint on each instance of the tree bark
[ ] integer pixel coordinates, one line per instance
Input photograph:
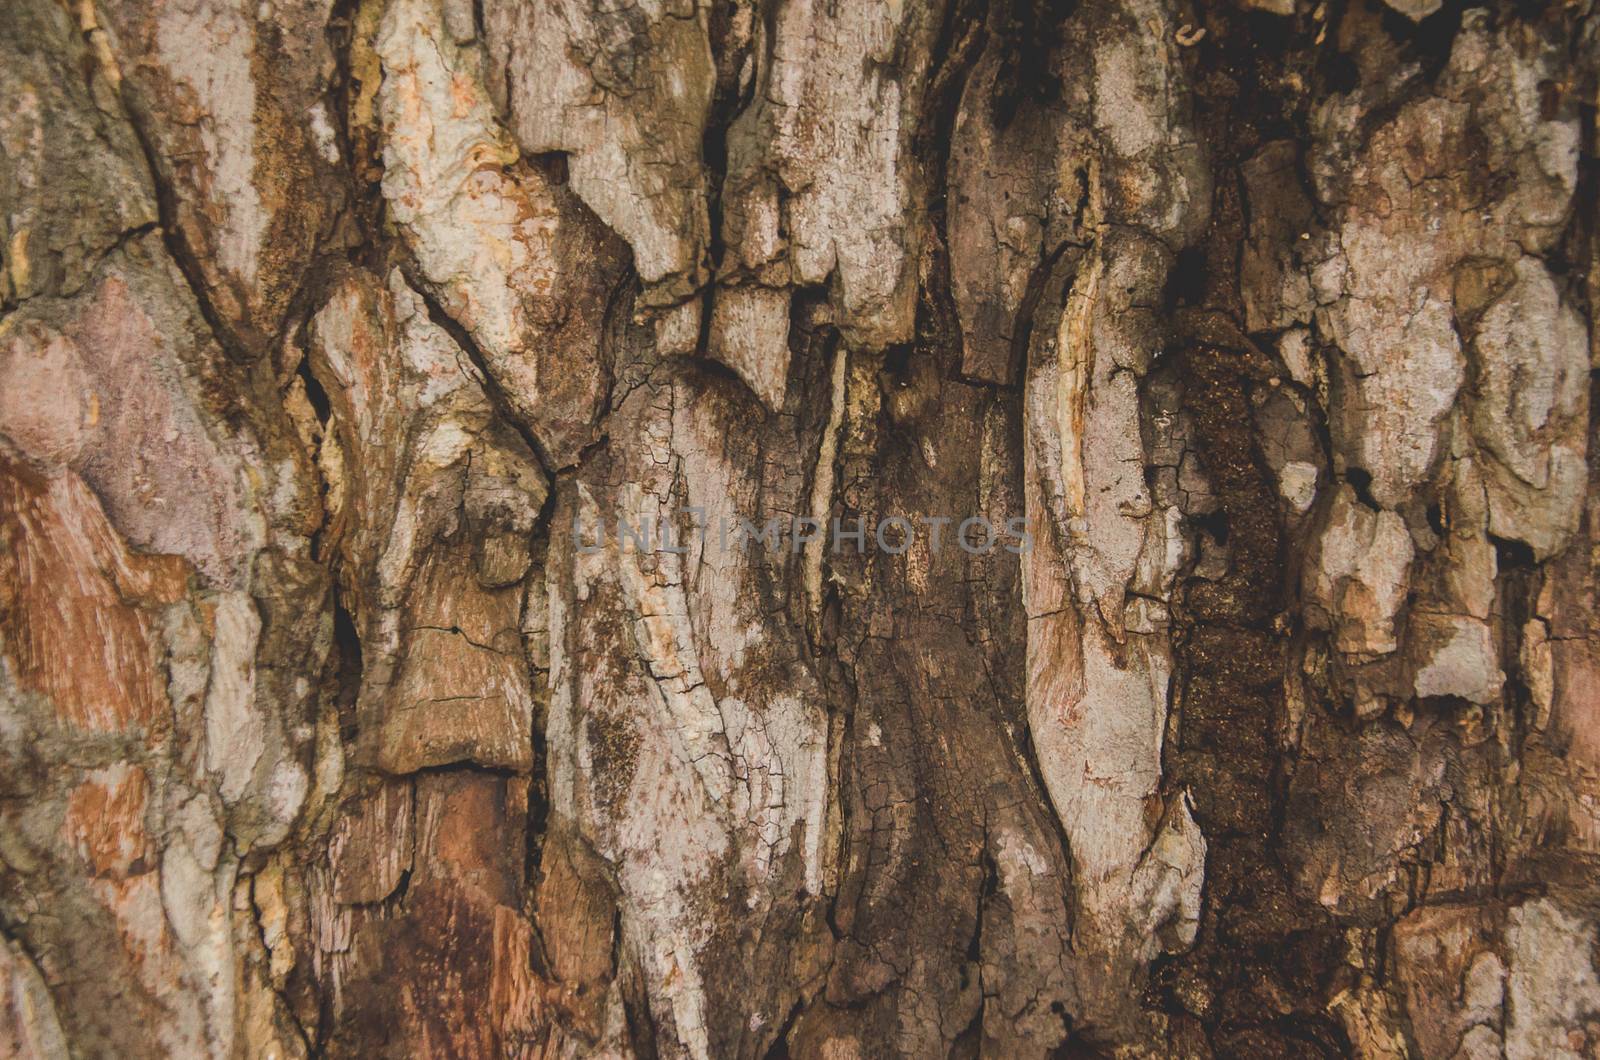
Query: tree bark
(394, 393)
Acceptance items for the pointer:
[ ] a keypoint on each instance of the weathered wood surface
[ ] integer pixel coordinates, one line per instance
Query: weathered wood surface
(336, 719)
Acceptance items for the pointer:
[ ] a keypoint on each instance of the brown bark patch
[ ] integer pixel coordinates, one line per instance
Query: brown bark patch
(71, 591)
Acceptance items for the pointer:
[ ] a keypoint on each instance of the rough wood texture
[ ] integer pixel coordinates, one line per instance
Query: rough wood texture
(338, 717)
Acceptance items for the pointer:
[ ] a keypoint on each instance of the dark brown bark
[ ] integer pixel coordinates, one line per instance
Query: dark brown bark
(339, 718)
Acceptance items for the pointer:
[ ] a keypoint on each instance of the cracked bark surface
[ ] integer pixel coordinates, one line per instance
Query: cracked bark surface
(338, 718)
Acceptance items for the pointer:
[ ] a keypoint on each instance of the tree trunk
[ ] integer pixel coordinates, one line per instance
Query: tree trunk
(705, 528)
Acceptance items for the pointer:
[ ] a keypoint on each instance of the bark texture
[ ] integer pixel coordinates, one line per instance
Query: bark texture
(338, 719)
